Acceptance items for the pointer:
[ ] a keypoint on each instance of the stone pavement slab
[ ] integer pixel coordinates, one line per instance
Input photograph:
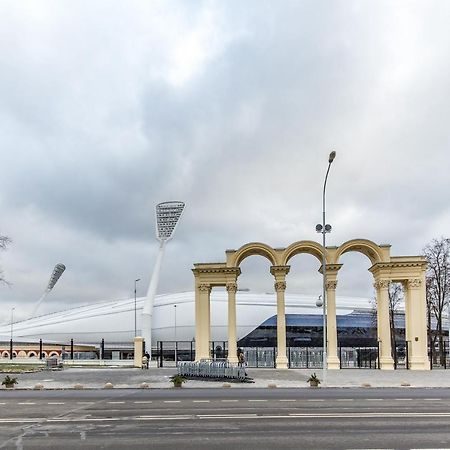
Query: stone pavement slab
(97, 378)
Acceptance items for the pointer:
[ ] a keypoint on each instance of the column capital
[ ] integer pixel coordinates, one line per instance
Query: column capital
(414, 283)
(280, 286)
(204, 287)
(231, 287)
(331, 285)
(381, 284)
(331, 268)
(279, 270)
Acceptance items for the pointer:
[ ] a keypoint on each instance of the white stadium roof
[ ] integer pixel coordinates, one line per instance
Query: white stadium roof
(114, 320)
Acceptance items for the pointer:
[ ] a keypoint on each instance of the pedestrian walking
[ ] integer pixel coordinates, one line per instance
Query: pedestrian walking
(145, 360)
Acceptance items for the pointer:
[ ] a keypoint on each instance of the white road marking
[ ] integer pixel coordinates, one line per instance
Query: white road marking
(164, 417)
(116, 403)
(431, 399)
(172, 401)
(403, 399)
(229, 401)
(286, 400)
(2, 403)
(55, 403)
(373, 399)
(143, 402)
(228, 416)
(315, 400)
(257, 400)
(85, 403)
(200, 401)
(345, 399)
(26, 403)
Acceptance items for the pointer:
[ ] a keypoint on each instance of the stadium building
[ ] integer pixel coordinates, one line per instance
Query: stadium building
(113, 323)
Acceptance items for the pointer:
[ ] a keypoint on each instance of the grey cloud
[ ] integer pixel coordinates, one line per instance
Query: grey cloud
(94, 134)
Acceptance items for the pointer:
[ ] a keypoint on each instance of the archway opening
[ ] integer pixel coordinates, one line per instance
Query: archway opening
(256, 305)
(304, 320)
(356, 316)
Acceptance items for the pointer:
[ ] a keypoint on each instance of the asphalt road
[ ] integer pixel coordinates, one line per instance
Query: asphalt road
(226, 418)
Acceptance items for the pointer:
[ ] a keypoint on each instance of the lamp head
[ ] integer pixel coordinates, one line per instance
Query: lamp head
(319, 302)
(332, 156)
(167, 216)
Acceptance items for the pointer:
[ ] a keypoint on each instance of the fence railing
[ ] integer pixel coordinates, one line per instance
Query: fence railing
(217, 370)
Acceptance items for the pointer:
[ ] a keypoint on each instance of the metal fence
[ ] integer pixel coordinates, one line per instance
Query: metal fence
(217, 370)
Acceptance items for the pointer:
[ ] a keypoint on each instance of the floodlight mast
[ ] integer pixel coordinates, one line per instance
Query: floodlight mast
(168, 215)
(55, 276)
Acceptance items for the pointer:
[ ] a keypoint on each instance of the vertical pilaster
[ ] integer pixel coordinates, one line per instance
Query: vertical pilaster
(332, 358)
(280, 272)
(202, 321)
(138, 351)
(384, 329)
(416, 322)
(232, 338)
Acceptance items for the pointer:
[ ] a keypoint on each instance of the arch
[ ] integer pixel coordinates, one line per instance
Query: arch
(5, 354)
(44, 354)
(22, 353)
(364, 246)
(254, 248)
(53, 354)
(311, 247)
(32, 354)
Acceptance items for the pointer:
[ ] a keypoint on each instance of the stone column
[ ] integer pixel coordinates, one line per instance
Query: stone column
(232, 339)
(281, 361)
(384, 329)
(332, 357)
(280, 272)
(138, 351)
(417, 323)
(202, 321)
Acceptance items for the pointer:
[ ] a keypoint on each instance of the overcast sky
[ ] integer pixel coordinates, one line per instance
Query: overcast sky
(109, 107)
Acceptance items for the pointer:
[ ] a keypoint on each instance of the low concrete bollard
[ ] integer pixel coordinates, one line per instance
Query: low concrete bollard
(226, 385)
(272, 385)
(78, 386)
(366, 385)
(144, 385)
(108, 386)
(38, 386)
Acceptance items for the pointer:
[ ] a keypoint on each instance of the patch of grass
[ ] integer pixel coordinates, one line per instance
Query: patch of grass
(18, 368)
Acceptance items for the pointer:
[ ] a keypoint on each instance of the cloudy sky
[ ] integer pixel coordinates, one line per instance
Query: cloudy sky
(109, 107)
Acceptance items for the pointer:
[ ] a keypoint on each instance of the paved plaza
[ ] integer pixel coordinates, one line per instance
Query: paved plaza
(158, 378)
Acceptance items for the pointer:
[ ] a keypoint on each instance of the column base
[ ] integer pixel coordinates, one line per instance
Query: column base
(419, 363)
(233, 359)
(386, 363)
(333, 363)
(281, 362)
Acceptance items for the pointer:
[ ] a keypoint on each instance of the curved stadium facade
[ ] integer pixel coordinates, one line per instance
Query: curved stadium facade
(174, 319)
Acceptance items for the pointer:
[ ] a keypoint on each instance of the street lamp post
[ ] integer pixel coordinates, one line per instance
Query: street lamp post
(135, 317)
(11, 341)
(324, 228)
(175, 333)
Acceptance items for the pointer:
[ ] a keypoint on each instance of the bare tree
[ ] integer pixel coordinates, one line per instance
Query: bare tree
(437, 253)
(4, 241)
(395, 300)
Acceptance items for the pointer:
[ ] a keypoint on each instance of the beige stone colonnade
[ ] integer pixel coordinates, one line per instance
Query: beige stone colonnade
(408, 270)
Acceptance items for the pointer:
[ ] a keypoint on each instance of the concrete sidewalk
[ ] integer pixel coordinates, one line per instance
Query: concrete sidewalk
(96, 378)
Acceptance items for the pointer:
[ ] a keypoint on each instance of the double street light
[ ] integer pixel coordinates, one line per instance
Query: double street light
(324, 228)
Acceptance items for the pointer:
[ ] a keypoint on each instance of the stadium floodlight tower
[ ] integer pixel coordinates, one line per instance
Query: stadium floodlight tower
(56, 274)
(167, 217)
